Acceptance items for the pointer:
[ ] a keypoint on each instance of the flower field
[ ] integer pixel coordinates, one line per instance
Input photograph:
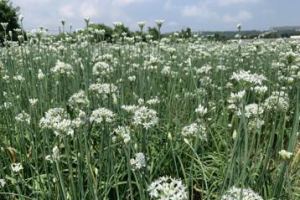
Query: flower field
(142, 119)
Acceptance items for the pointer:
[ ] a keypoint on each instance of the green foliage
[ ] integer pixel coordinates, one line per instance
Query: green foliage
(154, 32)
(8, 14)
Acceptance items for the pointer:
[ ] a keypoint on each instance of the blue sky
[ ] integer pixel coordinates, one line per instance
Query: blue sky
(196, 14)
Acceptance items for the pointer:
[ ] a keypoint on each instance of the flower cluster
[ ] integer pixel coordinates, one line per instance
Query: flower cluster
(138, 162)
(23, 117)
(101, 115)
(278, 101)
(145, 117)
(167, 188)
(56, 119)
(235, 193)
(62, 68)
(79, 100)
(247, 77)
(121, 133)
(194, 130)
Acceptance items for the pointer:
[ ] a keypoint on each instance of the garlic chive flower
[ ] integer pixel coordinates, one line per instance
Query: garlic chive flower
(285, 155)
(235, 193)
(2, 183)
(159, 23)
(139, 162)
(167, 188)
(16, 167)
(101, 115)
(145, 117)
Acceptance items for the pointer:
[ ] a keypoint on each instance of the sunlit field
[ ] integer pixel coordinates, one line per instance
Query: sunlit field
(139, 119)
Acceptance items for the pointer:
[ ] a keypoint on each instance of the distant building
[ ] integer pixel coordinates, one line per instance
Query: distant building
(285, 28)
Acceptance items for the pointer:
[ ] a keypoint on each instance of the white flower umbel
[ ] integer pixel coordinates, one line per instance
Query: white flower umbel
(40, 75)
(103, 88)
(194, 130)
(201, 110)
(102, 68)
(33, 102)
(167, 188)
(159, 23)
(278, 101)
(16, 167)
(54, 156)
(79, 100)
(235, 193)
(246, 76)
(62, 68)
(122, 133)
(145, 117)
(2, 183)
(139, 162)
(251, 110)
(56, 119)
(101, 115)
(285, 154)
(23, 117)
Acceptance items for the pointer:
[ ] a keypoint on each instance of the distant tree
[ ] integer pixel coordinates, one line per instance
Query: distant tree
(122, 29)
(10, 15)
(153, 31)
(186, 33)
(108, 30)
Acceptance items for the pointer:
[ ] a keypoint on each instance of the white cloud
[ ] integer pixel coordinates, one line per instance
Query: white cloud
(202, 11)
(230, 2)
(240, 17)
(125, 2)
(88, 10)
(67, 11)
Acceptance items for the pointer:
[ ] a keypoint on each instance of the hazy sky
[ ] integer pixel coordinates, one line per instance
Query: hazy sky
(178, 14)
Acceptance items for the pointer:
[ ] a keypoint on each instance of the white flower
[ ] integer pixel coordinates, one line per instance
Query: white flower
(235, 193)
(2, 183)
(285, 154)
(101, 115)
(251, 110)
(121, 133)
(33, 102)
(54, 156)
(167, 188)
(16, 167)
(139, 162)
(79, 100)
(141, 24)
(23, 117)
(201, 110)
(56, 119)
(102, 68)
(159, 22)
(278, 101)
(103, 88)
(260, 89)
(129, 108)
(153, 101)
(19, 78)
(145, 117)
(4, 25)
(118, 24)
(62, 68)
(41, 75)
(194, 130)
(246, 76)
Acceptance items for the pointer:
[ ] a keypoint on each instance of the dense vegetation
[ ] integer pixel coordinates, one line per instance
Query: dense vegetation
(84, 120)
